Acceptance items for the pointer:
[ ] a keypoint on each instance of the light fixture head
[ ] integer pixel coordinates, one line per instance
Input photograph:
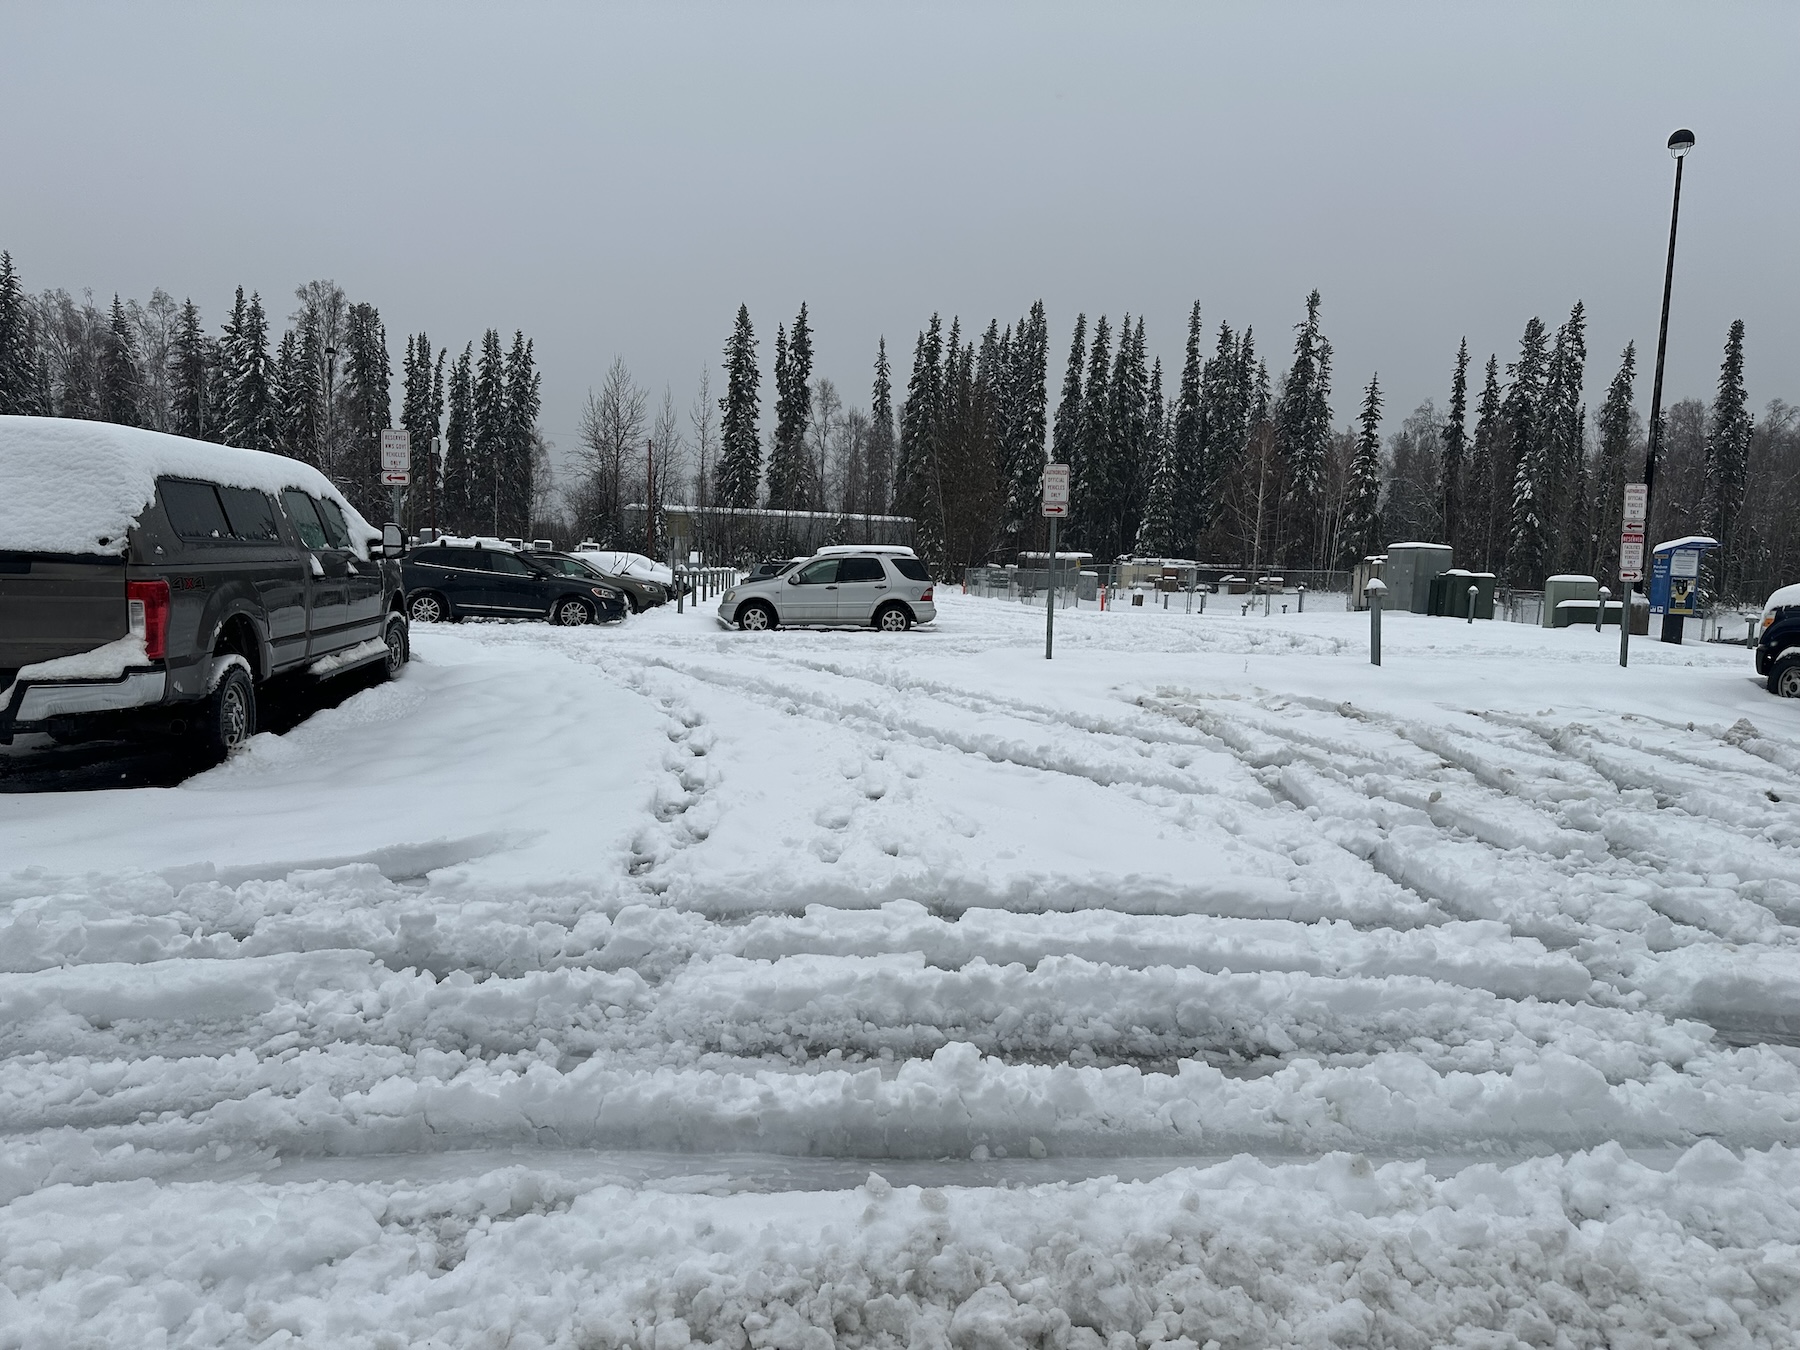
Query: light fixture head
(1681, 142)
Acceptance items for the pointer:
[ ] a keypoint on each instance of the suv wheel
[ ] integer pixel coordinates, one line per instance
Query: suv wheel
(1784, 677)
(398, 648)
(893, 619)
(571, 612)
(428, 608)
(756, 617)
(230, 713)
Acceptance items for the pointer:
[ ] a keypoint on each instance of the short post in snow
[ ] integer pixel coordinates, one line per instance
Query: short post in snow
(1300, 608)
(1055, 507)
(1475, 591)
(1600, 611)
(1375, 590)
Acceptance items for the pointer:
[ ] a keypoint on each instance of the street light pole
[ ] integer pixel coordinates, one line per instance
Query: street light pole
(1680, 142)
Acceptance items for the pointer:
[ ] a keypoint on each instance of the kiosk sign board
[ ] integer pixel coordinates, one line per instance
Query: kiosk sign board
(1675, 575)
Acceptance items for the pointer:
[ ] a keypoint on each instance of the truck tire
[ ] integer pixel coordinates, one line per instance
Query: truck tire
(399, 647)
(230, 718)
(1784, 676)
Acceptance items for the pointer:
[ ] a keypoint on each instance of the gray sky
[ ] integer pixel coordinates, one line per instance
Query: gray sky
(616, 179)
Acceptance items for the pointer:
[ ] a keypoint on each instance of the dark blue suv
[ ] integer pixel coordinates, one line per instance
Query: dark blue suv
(456, 578)
(1778, 648)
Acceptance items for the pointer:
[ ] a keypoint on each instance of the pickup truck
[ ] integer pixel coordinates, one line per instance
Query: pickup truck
(154, 583)
(1778, 642)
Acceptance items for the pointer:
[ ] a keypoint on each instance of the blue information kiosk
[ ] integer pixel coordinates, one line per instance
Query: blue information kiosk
(1675, 580)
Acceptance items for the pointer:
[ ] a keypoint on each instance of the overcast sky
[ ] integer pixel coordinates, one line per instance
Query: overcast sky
(616, 179)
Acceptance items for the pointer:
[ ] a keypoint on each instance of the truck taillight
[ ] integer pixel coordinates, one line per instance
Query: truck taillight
(147, 603)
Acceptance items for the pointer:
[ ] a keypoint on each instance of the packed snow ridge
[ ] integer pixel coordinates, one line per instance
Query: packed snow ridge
(662, 984)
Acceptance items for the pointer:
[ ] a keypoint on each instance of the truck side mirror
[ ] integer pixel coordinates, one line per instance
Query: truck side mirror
(393, 542)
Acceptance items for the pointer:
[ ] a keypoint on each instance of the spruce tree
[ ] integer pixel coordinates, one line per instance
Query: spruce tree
(189, 374)
(1303, 431)
(249, 378)
(1027, 364)
(917, 486)
(18, 354)
(488, 451)
(1156, 532)
(1362, 491)
(788, 477)
(367, 409)
(459, 495)
(1617, 430)
(420, 419)
(879, 471)
(1189, 487)
(740, 447)
(1522, 471)
(1090, 469)
(523, 401)
(1727, 462)
(1455, 451)
(120, 379)
(1486, 464)
(1563, 446)
(1066, 431)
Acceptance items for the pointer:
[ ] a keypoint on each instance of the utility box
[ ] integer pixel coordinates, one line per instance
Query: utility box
(1369, 569)
(1450, 593)
(1408, 574)
(1570, 599)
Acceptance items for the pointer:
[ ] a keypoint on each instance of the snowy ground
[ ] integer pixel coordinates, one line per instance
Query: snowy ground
(613, 987)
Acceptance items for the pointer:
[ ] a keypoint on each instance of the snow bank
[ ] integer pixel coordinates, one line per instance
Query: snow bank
(70, 486)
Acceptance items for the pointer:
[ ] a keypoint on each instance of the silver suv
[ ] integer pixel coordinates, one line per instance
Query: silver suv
(883, 586)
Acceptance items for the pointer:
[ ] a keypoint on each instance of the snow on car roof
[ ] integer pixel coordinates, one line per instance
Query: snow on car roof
(473, 541)
(69, 486)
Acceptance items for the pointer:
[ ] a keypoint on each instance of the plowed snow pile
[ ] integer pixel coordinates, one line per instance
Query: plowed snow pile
(1206, 986)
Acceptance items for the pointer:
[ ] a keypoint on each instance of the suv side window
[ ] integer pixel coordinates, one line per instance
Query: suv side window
(911, 568)
(336, 529)
(306, 519)
(508, 563)
(860, 569)
(252, 515)
(819, 573)
(193, 509)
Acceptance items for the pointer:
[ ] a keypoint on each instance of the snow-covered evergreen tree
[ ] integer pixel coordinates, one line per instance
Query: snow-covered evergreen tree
(421, 417)
(740, 445)
(917, 486)
(523, 400)
(1065, 434)
(1453, 468)
(248, 378)
(788, 477)
(189, 371)
(1362, 491)
(120, 379)
(1023, 427)
(488, 444)
(1190, 487)
(1727, 462)
(1529, 522)
(878, 470)
(1303, 432)
(18, 344)
(1156, 532)
(457, 506)
(367, 409)
(1091, 467)
(1616, 428)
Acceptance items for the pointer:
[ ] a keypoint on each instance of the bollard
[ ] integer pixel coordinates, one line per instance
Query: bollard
(1473, 592)
(1374, 590)
(1301, 607)
(1600, 612)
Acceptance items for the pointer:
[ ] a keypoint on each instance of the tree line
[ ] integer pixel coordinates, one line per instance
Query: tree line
(320, 393)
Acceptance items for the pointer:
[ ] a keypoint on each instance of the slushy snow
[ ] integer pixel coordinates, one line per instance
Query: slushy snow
(658, 984)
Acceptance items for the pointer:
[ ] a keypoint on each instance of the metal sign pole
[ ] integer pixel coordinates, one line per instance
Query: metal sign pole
(1050, 603)
(1055, 506)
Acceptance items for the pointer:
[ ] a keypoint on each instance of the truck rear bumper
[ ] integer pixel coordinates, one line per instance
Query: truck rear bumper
(34, 704)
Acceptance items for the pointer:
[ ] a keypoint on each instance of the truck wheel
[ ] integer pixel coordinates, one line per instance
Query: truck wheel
(399, 649)
(756, 617)
(1784, 677)
(230, 713)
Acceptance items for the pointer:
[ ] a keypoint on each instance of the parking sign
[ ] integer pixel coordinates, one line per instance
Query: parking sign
(1056, 490)
(396, 457)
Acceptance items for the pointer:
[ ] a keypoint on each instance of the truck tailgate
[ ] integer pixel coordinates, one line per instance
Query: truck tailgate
(57, 605)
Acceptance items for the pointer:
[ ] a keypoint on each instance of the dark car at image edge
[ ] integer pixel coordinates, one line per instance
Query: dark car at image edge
(451, 579)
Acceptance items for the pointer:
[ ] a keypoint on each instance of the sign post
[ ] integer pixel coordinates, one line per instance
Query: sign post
(1631, 560)
(1055, 507)
(396, 463)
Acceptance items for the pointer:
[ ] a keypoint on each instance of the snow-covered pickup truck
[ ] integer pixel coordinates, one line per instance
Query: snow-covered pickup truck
(149, 582)
(1778, 645)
